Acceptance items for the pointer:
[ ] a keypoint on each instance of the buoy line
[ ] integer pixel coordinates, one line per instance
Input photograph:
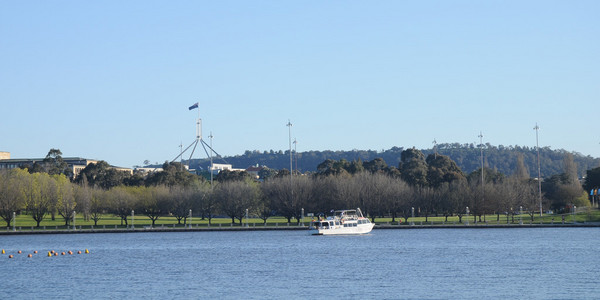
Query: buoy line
(50, 253)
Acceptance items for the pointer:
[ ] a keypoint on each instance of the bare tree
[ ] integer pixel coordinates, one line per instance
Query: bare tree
(399, 196)
(83, 199)
(527, 192)
(374, 190)
(208, 202)
(445, 203)
(459, 194)
(237, 196)
(180, 202)
(198, 197)
(303, 194)
(279, 191)
(425, 200)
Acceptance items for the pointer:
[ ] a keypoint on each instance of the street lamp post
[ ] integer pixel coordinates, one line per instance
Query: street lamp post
(246, 217)
(296, 153)
(482, 187)
(289, 125)
(537, 146)
(520, 215)
(211, 160)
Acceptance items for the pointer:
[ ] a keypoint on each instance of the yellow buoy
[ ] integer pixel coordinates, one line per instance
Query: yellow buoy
(49, 254)
(3, 251)
(87, 251)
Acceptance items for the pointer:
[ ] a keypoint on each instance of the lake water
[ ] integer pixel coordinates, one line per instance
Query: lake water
(524, 263)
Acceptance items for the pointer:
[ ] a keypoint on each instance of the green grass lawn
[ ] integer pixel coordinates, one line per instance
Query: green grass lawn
(591, 216)
(109, 221)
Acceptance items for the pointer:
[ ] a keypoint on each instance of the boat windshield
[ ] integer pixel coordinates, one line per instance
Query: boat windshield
(345, 213)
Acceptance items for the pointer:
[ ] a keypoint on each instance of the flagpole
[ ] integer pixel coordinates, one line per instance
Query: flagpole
(199, 122)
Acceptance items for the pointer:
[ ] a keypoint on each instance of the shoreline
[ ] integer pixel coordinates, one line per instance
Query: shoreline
(276, 228)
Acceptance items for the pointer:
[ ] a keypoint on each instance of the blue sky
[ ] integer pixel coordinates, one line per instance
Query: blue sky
(113, 80)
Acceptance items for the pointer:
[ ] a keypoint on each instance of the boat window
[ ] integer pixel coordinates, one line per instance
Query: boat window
(337, 223)
(354, 224)
(331, 223)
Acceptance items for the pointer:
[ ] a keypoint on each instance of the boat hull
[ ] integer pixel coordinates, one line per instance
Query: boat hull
(340, 230)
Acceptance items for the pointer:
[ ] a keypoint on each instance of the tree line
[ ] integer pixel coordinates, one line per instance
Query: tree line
(466, 156)
(426, 186)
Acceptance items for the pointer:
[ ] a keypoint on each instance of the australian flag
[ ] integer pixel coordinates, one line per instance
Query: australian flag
(194, 106)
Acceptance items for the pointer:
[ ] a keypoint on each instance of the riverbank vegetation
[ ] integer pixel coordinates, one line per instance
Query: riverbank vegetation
(429, 189)
(110, 221)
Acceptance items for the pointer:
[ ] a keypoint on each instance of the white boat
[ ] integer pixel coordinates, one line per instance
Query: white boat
(349, 221)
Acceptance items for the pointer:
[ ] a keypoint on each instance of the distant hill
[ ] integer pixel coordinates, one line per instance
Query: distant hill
(466, 156)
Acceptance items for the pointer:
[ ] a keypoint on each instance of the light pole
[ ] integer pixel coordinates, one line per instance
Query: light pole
(247, 217)
(296, 152)
(211, 160)
(132, 226)
(289, 125)
(537, 147)
(190, 219)
(73, 220)
(482, 187)
(181, 152)
(520, 215)
(14, 221)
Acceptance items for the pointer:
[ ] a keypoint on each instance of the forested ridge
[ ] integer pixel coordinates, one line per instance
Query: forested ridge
(467, 157)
